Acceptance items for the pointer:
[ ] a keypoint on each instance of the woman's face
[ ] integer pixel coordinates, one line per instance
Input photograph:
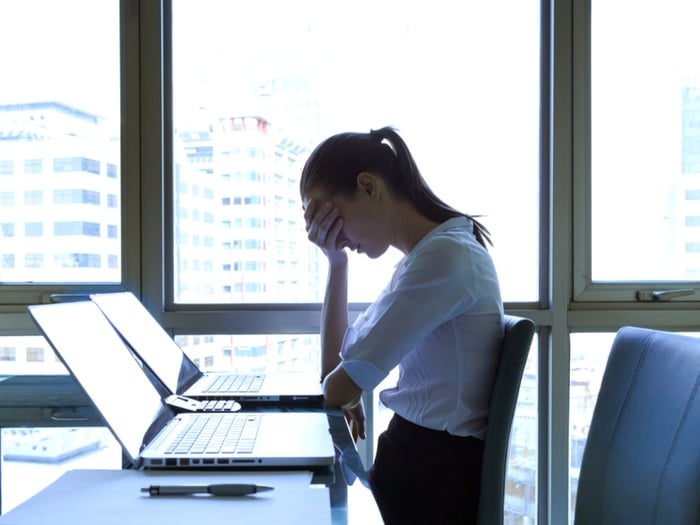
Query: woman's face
(363, 228)
(365, 225)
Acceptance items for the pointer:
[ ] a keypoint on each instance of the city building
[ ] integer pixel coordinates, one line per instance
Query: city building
(238, 224)
(688, 199)
(64, 162)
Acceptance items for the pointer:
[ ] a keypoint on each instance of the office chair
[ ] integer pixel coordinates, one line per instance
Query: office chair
(518, 334)
(641, 461)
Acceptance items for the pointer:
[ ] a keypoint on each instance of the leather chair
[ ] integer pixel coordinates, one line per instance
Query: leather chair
(641, 461)
(518, 334)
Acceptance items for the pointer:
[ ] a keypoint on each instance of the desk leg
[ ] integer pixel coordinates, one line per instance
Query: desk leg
(341, 438)
(1, 471)
(339, 490)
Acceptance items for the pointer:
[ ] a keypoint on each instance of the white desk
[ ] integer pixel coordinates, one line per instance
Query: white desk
(34, 401)
(114, 497)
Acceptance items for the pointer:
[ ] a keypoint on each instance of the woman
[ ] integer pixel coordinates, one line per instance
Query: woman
(439, 319)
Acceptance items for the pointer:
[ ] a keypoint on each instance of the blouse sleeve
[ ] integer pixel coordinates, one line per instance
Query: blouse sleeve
(437, 284)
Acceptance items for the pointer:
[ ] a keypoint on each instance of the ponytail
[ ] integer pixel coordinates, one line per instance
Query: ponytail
(413, 186)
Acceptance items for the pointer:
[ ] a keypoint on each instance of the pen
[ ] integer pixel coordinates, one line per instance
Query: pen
(224, 489)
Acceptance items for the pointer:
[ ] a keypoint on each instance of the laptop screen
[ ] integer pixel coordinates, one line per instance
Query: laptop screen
(103, 366)
(148, 339)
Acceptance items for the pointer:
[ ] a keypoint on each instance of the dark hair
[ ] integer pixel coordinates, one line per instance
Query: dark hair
(335, 164)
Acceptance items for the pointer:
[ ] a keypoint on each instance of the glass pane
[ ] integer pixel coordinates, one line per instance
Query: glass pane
(521, 474)
(589, 355)
(252, 97)
(645, 159)
(25, 355)
(254, 353)
(59, 142)
(33, 458)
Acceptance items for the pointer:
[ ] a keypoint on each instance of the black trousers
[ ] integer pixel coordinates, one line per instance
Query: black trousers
(424, 476)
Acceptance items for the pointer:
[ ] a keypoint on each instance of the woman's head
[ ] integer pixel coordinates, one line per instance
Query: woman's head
(333, 168)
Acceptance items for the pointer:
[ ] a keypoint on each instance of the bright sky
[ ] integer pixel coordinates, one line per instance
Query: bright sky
(66, 51)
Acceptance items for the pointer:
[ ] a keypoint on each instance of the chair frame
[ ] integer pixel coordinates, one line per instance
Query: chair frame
(517, 339)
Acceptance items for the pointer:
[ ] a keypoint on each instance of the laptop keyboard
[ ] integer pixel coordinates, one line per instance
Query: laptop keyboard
(217, 434)
(236, 383)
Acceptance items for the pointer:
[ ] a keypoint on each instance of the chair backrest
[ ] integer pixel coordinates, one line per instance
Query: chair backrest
(517, 338)
(641, 461)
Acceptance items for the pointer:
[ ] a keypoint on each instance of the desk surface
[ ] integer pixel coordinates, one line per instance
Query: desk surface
(45, 401)
(114, 497)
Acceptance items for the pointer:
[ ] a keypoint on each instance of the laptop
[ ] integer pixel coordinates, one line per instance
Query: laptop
(169, 363)
(148, 429)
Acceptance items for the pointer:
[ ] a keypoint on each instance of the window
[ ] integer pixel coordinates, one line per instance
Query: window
(77, 260)
(33, 197)
(636, 237)
(33, 229)
(589, 353)
(76, 164)
(7, 198)
(251, 164)
(90, 229)
(324, 67)
(34, 260)
(70, 196)
(568, 231)
(36, 354)
(60, 149)
(645, 127)
(32, 166)
(7, 167)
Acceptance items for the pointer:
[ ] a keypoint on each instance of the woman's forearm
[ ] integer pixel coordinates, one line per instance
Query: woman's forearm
(334, 314)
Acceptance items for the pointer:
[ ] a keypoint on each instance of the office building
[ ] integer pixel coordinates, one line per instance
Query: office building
(59, 195)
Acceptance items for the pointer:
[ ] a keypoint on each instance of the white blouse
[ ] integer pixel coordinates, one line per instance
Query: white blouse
(441, 321)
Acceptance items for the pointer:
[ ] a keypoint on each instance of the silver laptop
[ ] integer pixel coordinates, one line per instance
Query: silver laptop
(180, 374)
(148, 429)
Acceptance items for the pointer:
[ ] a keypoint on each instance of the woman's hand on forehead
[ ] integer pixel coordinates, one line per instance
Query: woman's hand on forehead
(316, 211)
(323, 225)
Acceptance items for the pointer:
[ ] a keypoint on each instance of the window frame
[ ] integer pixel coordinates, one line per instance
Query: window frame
(15, 297)
(585, 290)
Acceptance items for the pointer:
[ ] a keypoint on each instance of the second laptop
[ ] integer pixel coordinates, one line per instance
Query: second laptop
(171, 365)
